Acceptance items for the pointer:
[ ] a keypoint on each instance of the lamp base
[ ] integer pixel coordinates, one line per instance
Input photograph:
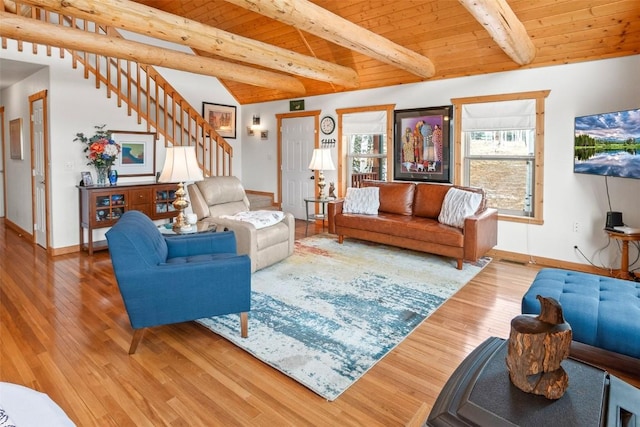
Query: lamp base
(180, 204)
(321, 186)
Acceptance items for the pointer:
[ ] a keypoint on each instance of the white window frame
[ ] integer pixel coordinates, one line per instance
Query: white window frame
(460, 152)
(353, 156)
(344, 177)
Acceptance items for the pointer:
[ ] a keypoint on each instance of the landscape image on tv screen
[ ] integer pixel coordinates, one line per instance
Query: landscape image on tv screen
(608, 144)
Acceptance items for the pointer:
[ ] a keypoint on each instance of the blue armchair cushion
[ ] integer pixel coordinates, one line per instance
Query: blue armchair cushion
(169, 280)
(602, 311)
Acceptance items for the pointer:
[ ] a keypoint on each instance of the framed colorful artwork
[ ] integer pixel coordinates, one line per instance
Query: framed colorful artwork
(422, 148)
(137, 153)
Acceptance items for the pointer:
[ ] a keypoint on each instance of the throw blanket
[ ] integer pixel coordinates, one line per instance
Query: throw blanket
(259, 219)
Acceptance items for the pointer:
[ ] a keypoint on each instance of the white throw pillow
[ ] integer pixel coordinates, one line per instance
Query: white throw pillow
(362, 200)
(458, 204)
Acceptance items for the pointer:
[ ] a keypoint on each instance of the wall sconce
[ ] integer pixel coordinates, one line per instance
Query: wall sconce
(256, 122)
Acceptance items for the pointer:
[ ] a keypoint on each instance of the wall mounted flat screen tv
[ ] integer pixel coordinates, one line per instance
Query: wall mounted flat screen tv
(608, 144)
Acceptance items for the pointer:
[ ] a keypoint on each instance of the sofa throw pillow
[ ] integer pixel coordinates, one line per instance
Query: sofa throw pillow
(362, 200)
(259, 219)
(457, 205)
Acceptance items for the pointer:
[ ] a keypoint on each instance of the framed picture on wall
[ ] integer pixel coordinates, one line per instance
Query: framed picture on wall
(422, 144)
(137, 153)
(222, 118)
(15, 139)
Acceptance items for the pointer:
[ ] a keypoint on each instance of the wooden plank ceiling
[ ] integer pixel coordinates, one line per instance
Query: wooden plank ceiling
(444, 31)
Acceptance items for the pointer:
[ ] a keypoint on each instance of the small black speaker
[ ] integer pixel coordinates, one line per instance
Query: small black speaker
(614, 219)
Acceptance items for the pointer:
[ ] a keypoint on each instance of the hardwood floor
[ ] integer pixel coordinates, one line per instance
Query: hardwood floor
(64, 332)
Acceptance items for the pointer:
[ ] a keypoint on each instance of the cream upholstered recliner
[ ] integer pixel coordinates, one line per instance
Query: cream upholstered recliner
(219, 196)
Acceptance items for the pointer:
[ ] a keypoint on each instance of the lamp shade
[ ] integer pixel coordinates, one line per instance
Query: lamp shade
(181, 165)
(321, 160)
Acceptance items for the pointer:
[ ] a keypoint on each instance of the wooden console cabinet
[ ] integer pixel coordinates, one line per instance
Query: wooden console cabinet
(101, 207)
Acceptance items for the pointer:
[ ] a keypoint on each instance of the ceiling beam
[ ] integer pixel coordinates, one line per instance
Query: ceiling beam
(155, 23)
(34, 31)
(313, 19)
(504, 27)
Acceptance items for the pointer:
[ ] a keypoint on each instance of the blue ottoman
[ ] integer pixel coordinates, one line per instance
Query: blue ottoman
(603, 312)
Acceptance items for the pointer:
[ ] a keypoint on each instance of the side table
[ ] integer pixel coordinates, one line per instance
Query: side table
(624, 272)
(312, 216)
(480, 393)
(201, 227)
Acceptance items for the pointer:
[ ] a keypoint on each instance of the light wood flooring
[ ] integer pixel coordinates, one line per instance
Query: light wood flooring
(64, 332)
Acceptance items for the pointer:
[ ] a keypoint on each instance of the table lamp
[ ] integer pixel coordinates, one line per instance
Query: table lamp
(321, 161)
(180, 165)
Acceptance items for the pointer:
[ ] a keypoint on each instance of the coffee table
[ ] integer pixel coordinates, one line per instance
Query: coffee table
(479, 393)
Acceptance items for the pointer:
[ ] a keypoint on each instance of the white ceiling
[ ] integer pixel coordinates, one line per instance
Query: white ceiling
(12, 72)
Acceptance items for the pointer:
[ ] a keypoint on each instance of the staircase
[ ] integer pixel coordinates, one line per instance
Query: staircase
(144, 92)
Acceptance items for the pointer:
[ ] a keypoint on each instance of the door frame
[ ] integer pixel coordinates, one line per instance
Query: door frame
(4, 164)
(41, 95)
(316, 125)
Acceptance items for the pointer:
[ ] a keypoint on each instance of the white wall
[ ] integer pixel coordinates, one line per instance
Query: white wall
(197, 89)
(18, 172)
(576, 90)
(75, 105)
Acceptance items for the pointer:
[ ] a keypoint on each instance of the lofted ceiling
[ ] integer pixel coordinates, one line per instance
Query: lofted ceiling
(265, 50)
(443, 31)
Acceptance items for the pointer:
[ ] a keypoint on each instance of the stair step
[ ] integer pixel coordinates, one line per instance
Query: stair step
(260, 202)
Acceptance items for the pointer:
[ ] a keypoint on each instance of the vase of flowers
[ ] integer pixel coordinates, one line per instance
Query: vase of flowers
(101, 171)
(101, 151)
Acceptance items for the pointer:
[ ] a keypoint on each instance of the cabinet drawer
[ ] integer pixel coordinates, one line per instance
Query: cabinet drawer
(140, 197)
(144, 208)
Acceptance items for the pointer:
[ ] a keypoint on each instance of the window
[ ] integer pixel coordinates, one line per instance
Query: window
(499, 147)
(363, 144)
(367, 157)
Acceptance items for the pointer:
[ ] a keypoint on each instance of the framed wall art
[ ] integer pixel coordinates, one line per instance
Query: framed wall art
(422, 144)
(222, 118)
(137, 153)
(296, 105)
(15, 139)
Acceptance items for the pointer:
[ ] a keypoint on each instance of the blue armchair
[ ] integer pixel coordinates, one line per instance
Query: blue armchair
(166, 280)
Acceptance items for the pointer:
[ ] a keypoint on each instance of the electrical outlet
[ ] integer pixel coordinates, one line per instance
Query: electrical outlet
(68, 166)
(576, 227)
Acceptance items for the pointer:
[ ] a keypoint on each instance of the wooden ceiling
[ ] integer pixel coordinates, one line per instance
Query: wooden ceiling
(562, 31)
(437, 39)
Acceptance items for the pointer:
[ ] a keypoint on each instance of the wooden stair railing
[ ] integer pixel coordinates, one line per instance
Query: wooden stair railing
(144, 91)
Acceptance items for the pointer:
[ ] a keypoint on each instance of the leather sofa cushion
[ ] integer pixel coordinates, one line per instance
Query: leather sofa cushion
(221, 189)
(403, 226)
(428, 199)
(395, 197)
(227, 209)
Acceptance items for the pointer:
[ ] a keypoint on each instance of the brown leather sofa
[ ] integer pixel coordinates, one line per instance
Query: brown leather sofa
(408, 218)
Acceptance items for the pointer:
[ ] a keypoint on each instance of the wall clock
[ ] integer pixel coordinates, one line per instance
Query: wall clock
(327, 125)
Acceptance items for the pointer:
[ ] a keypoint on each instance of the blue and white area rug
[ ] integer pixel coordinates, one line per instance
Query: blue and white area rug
(328, 313)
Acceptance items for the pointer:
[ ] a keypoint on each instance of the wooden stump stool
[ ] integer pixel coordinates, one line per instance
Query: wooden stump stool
(537, 346)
